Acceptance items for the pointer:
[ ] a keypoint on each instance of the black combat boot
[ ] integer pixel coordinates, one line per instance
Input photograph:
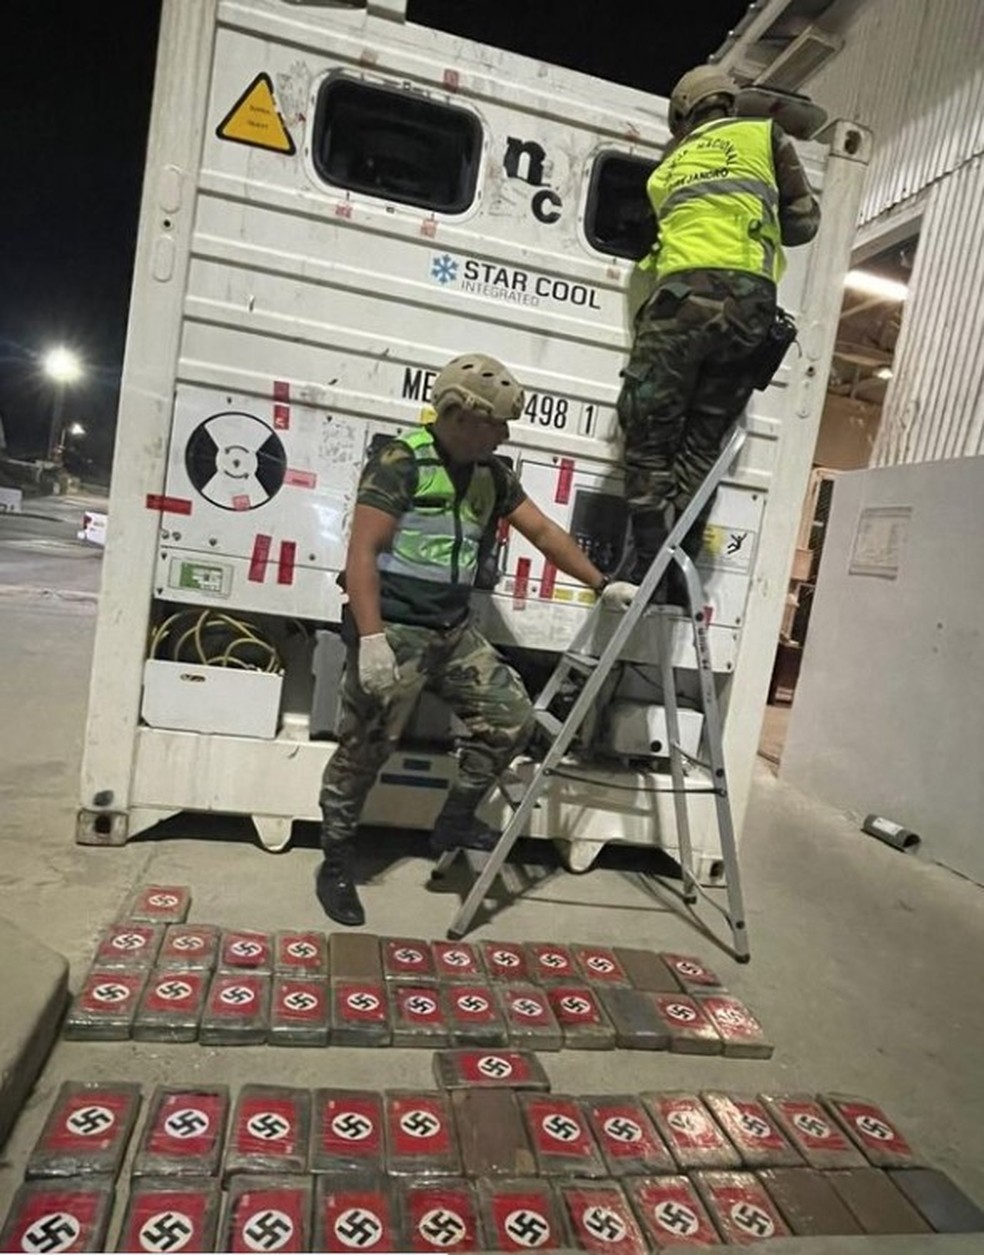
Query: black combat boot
(335, 885)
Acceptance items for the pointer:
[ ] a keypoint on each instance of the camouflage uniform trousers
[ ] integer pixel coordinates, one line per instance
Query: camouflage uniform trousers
(460, 666)
(688, 378)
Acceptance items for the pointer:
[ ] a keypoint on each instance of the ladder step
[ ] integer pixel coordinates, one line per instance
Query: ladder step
(549, 723)
(581, 662)
(514, 791)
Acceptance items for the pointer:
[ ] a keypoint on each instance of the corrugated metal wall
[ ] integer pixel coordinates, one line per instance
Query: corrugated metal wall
(913, 71)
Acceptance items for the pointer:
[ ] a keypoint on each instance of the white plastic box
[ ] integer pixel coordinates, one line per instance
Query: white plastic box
(189, 697)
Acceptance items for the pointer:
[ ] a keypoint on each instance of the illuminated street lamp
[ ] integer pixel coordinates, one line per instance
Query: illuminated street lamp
(76, 429)
(62, 367)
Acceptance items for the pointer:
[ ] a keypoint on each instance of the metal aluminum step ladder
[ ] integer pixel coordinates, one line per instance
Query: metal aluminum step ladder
(578, 660)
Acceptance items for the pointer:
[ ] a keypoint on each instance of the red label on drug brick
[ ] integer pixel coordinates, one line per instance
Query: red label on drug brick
(689, 1125)
(418, 1005)
(550, 962)
(56, 1220)
(873, 1127)
(472, 1004)
(441, 1218)
(813, 1126)
(523, 1221)
(352, 1125)
(236, 994)
(600, 964)
(300, 1001)
(575, 1004)
(748, 1123)
(271, 1220)
(111, 992)
(304, 951)
(89, 1122)
(160, 900)
(174, 990)
(407, 958)
(456, 961)
(265, 1126)
(504, 961)
(557, 1127)
(360, 1002)
(187, 1124)
(672, 1213)
(603, 1220)
(249, 951)
(168, 1220)
(358, 1220)
(744, 1211)
(529, 1007)
(691, 969)
(626, 1132)
(127, 942)
(418, 1124)
(490, 1065)
(732, 1019)
(187, 942)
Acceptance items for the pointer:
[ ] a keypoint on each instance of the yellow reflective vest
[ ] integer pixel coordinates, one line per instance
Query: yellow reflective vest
(717, 202)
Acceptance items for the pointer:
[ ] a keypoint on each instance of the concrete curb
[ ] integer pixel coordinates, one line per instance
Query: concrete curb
(33, 994)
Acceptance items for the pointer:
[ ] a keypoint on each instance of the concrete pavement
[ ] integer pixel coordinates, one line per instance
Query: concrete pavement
(865, 971)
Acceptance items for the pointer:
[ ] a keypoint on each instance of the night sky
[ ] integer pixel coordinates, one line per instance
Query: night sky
(76, 89)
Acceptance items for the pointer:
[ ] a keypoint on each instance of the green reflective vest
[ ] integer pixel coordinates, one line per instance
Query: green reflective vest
(717, 202)
(427, 575)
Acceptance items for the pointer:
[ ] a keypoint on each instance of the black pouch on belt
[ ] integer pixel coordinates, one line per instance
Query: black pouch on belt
(767, 358)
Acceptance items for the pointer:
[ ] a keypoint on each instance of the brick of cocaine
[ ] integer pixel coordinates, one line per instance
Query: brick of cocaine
(561, 1136)
(600, 965)
(646, 970)
(690, 1131)
(129, 945)
(582, 1021)
(420, 1138)
(407, 958)
(638, 1022)
(301, 954)
(171, 1215)
(160, 904)
(752, 1130)
(875, 1202)
(693, 974)
(171, 1006)
(742, 1036)
(267, 1213)
(189, 946)
(237, 1011)
(457, 961)
(627, 1136)
(491, 1134)
(671, 1213)
(522, 1215)
(184, 1132)
(531, 1022)
(356, 1211)
(87, 1130)
(299, 1011)
(270, 1130)
(691, 1032)
(601, 1218)
(870, 1129)
(440, 1215)
(487, 1069)
(812, 1130)
(348, 1131)
(474, 1017)
(70, 1214)
(740, 1206)
(506, 961)
(550, 961)
(104, 1007)
(244, 950)
(809, 1203)
(359, 1013)
(939, 1200)
(418, 1015)
(354, 956)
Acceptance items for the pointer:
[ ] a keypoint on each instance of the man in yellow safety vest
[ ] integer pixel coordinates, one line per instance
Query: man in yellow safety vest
(727, 197)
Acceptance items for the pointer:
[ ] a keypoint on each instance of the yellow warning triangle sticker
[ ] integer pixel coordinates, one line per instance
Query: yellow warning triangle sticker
(255, 120)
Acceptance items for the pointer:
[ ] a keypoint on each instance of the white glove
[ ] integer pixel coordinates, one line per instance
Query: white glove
(618, 595)
(378, 672)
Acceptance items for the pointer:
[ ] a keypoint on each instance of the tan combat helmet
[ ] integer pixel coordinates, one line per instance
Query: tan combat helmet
(697, 86)
(478, 382)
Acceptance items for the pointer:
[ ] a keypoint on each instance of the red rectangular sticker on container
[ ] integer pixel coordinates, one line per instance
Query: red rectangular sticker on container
(260, 557)
(288, 556)
(521, 588)
(281, 390)
(281, 417)
(548, 581)
(300, 479)
(565, 481)
(168, 505)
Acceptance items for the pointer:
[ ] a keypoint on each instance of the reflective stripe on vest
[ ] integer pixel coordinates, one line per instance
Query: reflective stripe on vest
(437, 539)
(717, 202)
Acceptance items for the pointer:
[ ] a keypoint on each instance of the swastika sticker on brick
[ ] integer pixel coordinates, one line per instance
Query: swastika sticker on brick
(348, 1130)
(86, 1131)
(441, 1218)
(269, 1130)
(184, 1132)
(264, 1216)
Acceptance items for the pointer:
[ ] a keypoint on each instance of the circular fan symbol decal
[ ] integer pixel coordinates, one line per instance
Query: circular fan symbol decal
(236, 461)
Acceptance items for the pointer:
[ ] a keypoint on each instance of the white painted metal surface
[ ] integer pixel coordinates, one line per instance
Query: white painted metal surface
(270, 306)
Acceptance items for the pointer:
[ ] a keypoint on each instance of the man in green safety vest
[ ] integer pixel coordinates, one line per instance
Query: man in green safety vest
(729, 194)
(424, 503)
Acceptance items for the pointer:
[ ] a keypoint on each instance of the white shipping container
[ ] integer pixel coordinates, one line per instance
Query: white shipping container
(305, 266)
